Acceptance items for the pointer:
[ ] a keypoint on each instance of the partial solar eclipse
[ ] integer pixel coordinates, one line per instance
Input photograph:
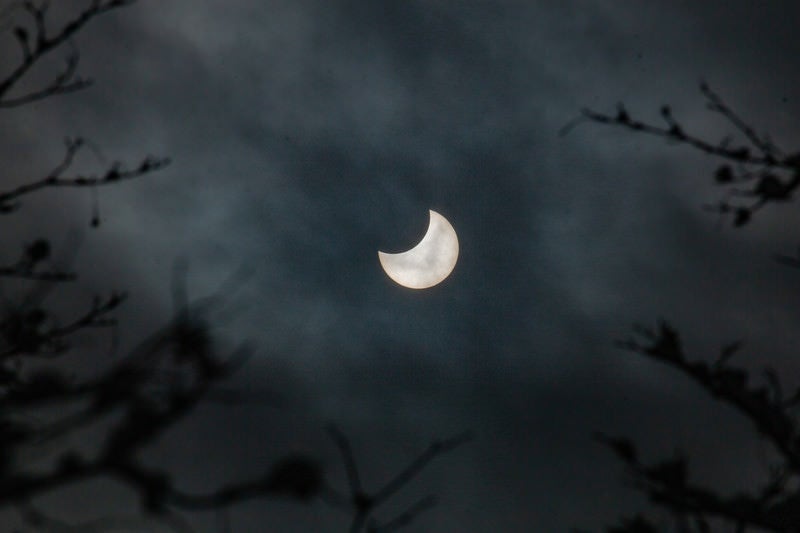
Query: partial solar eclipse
(429, 262)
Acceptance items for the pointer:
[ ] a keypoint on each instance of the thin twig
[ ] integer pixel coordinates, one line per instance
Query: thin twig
(40, 44)
(417, 465)
(113, 175)
(363, 504)
(406, 517)
(348, 459)
(14, 272)
(715, 103)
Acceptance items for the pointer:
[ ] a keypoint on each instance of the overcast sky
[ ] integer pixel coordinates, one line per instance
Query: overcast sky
(306, 135)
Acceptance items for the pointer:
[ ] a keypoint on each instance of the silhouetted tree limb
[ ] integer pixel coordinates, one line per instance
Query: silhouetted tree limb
(773, 175)
(147, 417)
(767, 155)
(33, 254)
(36, 42)
(789, 261)
(111, 176)
(406, 518)
(363, 504)
(157, 384)
(41, 521)
(774, 506)
(667, 484)
(764, 144)
(763, 405)
(349, 460)
(145, 393)
(26, 331)
(16, 272)
(636, 524)
(295, 476)
(436, 448)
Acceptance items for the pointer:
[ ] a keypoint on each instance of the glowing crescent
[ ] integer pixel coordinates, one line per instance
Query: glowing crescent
(427, 263)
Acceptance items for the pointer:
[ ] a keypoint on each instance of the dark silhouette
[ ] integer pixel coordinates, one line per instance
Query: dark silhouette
(755, 173)
(770, 174)
(145, 392)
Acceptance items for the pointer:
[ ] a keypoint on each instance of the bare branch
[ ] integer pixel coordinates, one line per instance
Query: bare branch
(296, 476)
(787, 260)
(364, 504)
(715, 103)
(774, 176)
(40, 44)
(65, 82)
(41, 521)
(728, 384)
(734, 154)
(16, 272)
(775, 505)
(406, 518)
(666, 483)
(436, 449)
(114, 174)
(27, 337)
(143, 422)
(155, 386)
(346, 451)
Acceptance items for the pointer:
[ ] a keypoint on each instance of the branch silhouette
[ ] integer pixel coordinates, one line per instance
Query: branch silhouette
(36, 42)
(111, 176)
(143, 394)
(774, 506)
(773, 175)
(157, 384)
(363, 504)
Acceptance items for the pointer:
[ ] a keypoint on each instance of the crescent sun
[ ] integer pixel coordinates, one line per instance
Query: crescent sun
(429, 262)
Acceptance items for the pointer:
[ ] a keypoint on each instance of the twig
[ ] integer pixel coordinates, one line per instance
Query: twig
(364, 504)
(40, 44)
(348, 459)
(114, 174)
(406, 517)
(760, 162)
(774, 505)
(14, 272)
(736, 155)
(715, 103)
(32, 341)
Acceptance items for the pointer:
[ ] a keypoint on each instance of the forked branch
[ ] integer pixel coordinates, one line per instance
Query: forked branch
(362, 504)
(114, 174)
(36, 42)
(771, 175)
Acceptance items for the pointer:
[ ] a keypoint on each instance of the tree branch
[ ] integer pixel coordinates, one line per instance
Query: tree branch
(761, 162)
(348, 459)
(41, 44)
(24, 335)
(776, 504)
(666, 483)
(114, 174)
(436, 449)
(763, 406)
(363, 504)
(715, 103)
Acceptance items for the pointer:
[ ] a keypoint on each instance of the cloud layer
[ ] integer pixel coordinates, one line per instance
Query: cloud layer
(306, 135)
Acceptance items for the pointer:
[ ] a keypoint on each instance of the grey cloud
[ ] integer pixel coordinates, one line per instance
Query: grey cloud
(308, 135)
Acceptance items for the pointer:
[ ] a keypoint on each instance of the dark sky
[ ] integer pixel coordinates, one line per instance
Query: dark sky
(307, 135)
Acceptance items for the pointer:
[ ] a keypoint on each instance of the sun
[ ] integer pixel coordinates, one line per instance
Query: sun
(429, 262)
